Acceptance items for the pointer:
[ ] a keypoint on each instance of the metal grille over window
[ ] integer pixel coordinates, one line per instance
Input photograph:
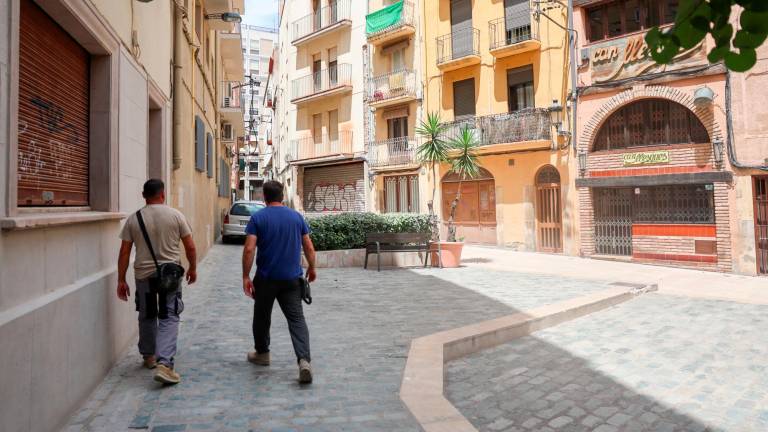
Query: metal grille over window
(650, 122)
(675, 204)
(54, 103)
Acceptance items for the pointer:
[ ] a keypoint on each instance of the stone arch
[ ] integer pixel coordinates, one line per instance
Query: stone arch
(483, 174)
(705, 114)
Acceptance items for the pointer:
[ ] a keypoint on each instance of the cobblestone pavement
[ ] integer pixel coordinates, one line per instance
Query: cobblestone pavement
(361, 325)
(656, 363)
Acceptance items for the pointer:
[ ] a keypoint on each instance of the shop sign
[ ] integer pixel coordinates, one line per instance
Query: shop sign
(629, 57)
(646, 158)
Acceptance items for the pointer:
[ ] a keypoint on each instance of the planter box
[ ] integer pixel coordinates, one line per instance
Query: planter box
(356, 258)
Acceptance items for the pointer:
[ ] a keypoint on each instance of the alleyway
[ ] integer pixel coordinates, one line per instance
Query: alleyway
(361, 324)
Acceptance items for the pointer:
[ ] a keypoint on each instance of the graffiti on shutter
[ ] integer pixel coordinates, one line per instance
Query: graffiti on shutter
(54, 104)
(338, 188)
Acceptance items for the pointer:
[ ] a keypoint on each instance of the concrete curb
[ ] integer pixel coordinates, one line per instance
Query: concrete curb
(422, 386)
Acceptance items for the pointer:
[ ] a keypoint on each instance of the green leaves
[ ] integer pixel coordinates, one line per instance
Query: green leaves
(698, 18)
(433, 149)
(465, 162)
(347, 230)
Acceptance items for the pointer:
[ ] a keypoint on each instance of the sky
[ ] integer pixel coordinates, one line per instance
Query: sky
(261, 13)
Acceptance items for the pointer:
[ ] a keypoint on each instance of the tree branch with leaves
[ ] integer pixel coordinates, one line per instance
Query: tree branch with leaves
(466, 165)
(433, 151)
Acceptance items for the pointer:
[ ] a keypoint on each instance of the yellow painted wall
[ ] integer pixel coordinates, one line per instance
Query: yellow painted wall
(515, 188)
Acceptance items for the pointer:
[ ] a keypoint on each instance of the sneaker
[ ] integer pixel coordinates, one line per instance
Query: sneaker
(150, 362)
(166, 375)
(262, 359)
(305, 372)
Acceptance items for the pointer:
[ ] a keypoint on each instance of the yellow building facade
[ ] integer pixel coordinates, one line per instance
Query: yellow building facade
(501, 69)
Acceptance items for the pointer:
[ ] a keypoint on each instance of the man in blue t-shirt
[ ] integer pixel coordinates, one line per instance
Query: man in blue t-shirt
(279, 233)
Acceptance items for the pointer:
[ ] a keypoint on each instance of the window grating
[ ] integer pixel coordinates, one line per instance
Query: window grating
(674, 204)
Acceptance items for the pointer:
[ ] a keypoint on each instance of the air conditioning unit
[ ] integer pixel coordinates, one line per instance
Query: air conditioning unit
(227, 132)
(227, 101)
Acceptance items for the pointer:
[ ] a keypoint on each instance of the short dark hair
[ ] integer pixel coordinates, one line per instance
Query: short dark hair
(273, 191)
(152, 188)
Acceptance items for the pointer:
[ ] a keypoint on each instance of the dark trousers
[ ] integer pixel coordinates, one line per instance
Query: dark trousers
(288, 295)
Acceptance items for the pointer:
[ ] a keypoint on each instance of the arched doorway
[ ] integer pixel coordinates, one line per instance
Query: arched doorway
(549, 220)
(476, 211)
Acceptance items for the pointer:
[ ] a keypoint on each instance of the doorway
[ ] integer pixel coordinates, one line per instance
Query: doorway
(549, 222)
(613, 221)
(761, 224)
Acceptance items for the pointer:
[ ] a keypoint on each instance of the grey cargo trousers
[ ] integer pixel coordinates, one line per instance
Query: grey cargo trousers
(157, 336)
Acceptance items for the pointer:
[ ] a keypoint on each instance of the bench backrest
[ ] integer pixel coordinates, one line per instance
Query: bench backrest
(397, 238)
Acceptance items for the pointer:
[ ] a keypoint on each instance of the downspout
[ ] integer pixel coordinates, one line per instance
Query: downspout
(574, 78)
(178, 46)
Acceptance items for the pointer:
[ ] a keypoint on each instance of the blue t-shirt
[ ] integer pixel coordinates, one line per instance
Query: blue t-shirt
(278, 232)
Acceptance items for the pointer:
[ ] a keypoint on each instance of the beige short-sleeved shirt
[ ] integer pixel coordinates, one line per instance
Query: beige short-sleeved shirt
(165, 226)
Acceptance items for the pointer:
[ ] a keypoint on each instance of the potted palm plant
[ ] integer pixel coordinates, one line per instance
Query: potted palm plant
(433, 151)
(464, 163)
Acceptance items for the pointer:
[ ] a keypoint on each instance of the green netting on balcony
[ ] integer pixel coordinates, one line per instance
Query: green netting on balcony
(383, 18)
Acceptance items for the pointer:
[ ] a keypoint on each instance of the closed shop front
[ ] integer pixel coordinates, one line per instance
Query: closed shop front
(54, 98)
(334, 188)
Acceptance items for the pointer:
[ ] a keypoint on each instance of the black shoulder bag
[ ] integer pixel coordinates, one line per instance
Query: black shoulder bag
(306, 292)
(168, 277)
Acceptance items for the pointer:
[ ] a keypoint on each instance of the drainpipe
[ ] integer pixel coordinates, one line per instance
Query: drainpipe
(574, 78)
(178, 46)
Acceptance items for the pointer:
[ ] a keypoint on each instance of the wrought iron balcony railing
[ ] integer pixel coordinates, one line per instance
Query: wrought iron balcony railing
(458, 44)
(530, 124)
(392, 152)
(392, 85)
(512, 29)
(321, 146)
(388, 19)
(327, 79)
(322, 18)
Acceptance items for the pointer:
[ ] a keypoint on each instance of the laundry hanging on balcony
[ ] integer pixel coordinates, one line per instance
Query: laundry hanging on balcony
(383, 18)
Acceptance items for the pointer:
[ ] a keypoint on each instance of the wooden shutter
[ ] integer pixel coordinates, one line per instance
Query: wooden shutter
(54, 104)
(464, 98)
(334, 188)
(209, 153)
(199, 144)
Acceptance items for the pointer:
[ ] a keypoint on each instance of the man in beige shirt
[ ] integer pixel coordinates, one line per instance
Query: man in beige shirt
(158, 327)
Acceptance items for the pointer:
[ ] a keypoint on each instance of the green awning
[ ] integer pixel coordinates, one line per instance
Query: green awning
(383, 18)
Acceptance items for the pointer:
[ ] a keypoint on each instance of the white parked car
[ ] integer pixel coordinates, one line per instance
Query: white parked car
(237, 218)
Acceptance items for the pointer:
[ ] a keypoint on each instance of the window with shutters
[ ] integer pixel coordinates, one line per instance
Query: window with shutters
(53, 113)
(199, 144)
(464, 98)
(650, 122)
(617, 18)
(209, 154)
(401, 194)
(224, 174)
(520, 88)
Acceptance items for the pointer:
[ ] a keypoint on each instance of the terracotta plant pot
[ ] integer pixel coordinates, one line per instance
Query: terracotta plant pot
(450, 253)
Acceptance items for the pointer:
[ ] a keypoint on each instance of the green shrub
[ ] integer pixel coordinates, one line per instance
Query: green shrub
(348, 230)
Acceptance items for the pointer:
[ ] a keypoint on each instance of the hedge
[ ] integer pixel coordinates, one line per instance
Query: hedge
(347, 230)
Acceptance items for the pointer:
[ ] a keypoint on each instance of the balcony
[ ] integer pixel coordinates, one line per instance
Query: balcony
(393, 153)
(325, 147)
(458, 49)
(392, 22)
(391, 89)
(324, 83)
(232, 53)
(332, 18)
(526, 125)
(513, 34)
(232, 103)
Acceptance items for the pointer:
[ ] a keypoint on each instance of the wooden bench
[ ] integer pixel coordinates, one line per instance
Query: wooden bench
(378, 243)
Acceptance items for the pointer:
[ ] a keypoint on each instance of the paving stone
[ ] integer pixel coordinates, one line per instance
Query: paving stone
(560, 422)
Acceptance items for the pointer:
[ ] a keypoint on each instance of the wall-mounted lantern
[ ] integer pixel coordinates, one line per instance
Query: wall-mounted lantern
(228, 17)
(717, 152)
(703, 96)
(582, 163)
(555, 111)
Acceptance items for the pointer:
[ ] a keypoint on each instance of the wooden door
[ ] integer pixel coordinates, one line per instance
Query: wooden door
(761, 224)
(549, 221)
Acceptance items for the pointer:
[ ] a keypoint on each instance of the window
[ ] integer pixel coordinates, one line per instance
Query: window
(463, 98)
(209, 155)
(246, 208)
(627, 16)
(401, 194)
(224, 173)
(520, 88)
(253, 166)
(397, 127)
(675, 204)
(199, 144)
(398, 60)
(650, 122)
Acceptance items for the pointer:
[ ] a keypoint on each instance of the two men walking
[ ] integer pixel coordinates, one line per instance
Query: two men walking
(276, 235)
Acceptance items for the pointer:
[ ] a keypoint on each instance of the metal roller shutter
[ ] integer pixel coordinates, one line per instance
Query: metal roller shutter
(335, 188)
(54, 103)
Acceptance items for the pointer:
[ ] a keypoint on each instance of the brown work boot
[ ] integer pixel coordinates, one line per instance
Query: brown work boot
(166, 375)
(262, 359)
(150, 362)
(305, 372)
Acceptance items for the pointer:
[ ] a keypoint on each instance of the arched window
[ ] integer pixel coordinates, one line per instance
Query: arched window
(547, 175)
(650, 122)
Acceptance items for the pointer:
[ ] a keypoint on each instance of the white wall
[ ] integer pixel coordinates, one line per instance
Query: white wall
(133, 134)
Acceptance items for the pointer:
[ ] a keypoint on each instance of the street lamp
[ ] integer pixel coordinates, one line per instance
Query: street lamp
(582, 163)
(717, 152)
(229, 17)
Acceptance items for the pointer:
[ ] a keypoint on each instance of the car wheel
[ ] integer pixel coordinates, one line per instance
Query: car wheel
(225, 239)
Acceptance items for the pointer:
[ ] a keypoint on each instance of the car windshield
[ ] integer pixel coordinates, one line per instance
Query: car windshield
(245, 209)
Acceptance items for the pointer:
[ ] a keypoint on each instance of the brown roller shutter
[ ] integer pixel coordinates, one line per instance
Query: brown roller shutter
(463, 98)
(54, 95)
(334, 188)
